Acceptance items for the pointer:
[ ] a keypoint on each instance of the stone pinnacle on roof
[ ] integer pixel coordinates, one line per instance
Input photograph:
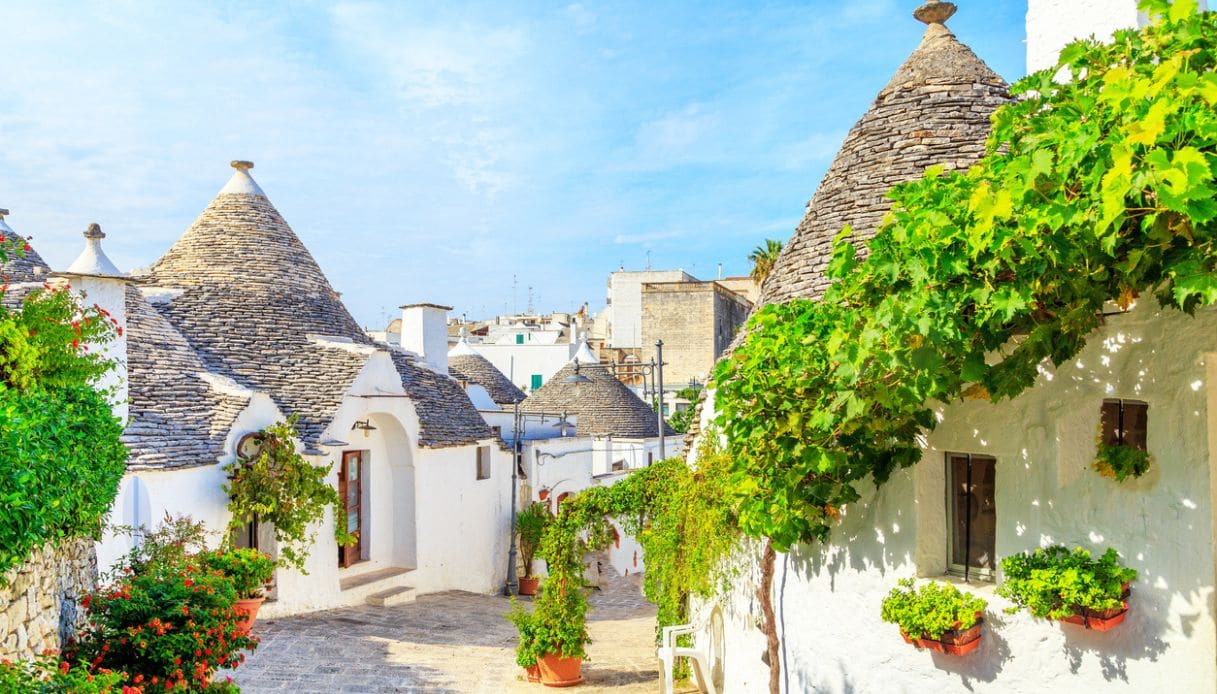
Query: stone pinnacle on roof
(933, 12)
(93, 260)
(241, 182)
(934, 110)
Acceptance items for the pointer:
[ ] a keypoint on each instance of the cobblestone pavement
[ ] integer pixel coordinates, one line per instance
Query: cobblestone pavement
(445, 642)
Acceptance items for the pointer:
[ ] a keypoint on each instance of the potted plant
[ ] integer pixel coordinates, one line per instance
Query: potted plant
(531, 522)
(559, 631)
(1119, 462)
(250, 571)
(1069, 585)
(937, 616)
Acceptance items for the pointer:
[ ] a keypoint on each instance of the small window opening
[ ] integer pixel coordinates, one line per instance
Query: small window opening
(1125, 423)
(972, 514)
(483, 463)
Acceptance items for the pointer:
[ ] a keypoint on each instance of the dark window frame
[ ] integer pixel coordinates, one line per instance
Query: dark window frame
(967, 570)
(1119, 433)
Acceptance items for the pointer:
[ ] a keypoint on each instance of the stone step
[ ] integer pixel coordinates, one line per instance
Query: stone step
(392, 596)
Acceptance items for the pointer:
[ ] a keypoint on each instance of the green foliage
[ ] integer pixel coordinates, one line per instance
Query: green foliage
(684, 521)
(1055, 582)
(280, 487)
(249, 570)
(680, 420)
(166, 626)
(531, 522)
(932, 609)
(174, 540)
(1097, 188)
(527, 648)
(48, 675)
(1121, 462)
(60, 464)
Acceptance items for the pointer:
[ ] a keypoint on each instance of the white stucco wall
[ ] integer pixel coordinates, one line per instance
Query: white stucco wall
(1052, 24)
(520, 362)
(1046, 493)
(109, 294)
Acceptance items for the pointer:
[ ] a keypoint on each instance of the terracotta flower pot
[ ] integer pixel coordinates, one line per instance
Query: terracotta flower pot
(557, 671)
(954, 642)
(529, 585)
(1098, 620)
(534, 673)
(249, 608)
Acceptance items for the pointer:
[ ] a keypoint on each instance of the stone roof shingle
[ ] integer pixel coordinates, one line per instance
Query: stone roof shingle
(604, 406)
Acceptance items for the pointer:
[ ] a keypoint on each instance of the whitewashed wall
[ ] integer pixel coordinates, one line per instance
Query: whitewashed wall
(828, 597)
(520, 362)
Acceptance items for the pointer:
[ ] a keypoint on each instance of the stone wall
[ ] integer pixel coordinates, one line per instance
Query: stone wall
(39, 601)
(695, 320)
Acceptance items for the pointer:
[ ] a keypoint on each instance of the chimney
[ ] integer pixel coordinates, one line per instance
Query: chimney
(105, 285)
(424, 331)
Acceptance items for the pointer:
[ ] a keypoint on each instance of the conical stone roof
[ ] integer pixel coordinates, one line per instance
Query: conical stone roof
(28, 267)
(935, 110)
(242, 288)
(466, 364)
(604, 406)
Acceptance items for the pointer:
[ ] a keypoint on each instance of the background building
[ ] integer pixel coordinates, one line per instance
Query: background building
(696, 321)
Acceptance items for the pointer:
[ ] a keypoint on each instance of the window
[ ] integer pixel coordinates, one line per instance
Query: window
(1124, 423)
(519, 338)
(971, 514)
(483, 466)
(497, 431)
(618, 465)
(650, 457)
(535, 382)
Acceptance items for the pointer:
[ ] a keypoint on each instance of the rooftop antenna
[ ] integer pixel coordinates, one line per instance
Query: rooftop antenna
(514, 284)
(720, 271)
(648, 260)
(530, 299)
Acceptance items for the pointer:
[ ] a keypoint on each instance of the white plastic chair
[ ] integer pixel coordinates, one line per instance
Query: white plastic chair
(669, 652)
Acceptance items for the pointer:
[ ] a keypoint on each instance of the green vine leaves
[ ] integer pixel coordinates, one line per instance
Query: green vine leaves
(283, 489)
(1099, 187)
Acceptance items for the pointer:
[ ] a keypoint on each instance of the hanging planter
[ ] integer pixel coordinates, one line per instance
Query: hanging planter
(1069, 586)
(944, 618)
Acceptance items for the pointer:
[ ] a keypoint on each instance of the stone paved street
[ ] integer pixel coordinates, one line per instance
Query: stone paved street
(447, 642)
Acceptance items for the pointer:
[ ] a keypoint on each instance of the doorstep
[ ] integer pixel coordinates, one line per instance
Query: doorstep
(364, 579)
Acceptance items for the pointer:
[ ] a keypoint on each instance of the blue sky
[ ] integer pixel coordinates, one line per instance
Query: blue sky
(431, 152)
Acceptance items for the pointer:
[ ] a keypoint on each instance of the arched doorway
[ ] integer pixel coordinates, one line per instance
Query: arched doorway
(391, 533)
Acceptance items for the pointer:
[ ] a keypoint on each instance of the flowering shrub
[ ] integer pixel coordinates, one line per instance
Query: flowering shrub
(168, 627)
(49, 675)
(249, 570)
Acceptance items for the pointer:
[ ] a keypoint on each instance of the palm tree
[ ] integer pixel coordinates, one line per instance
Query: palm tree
(763, 259)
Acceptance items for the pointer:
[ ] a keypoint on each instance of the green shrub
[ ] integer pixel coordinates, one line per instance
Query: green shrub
(48, 674)
(1055, 582)
(527, 649)
(249, 570)
(61, 460)
(531, 522)
(932, 609)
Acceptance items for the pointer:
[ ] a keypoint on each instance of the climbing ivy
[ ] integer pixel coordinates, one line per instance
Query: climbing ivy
(1095, 188)
(681, 516)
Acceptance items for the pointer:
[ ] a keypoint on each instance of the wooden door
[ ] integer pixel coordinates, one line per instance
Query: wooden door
(350, 488)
